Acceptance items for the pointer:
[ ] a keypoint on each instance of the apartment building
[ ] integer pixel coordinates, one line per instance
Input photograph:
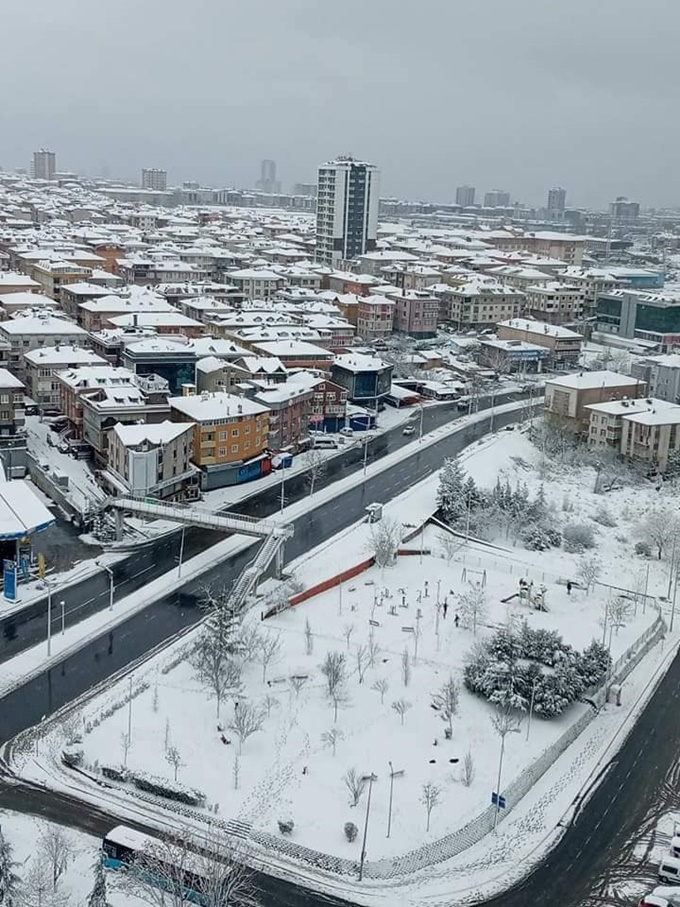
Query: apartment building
(328, 406)
(290, 408)
(163, 322)
(81, 380)
(97, 314)
(375, 317)
(479, 304)
(416, 313)
(107, 406)
(563, 345)
(230, 433)
(153, 461)
(16, 282)
(567, 397)
(30, 331)
(42, 368)
(256, 283)
(555, 302)
(662, 376)
(12, 412)
(54, 275)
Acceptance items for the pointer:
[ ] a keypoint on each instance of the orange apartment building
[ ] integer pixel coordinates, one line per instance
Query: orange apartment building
(228, 430)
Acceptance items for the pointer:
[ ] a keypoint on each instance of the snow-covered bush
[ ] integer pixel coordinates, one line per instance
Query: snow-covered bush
(351, 831)
(604, 517)
(115, 772)
(286, 826)
(538, 537)
(644, 549)
(506, 670)
(72, 755)
(164, 787)
(577, 537)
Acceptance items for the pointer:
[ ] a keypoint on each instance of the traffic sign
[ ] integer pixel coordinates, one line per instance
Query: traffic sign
(497, 801)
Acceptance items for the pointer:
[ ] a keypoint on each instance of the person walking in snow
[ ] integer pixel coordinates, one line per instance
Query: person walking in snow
(568, 587)
(445, 608)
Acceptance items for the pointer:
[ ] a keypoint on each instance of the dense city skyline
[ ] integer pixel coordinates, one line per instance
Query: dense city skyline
(517, 96)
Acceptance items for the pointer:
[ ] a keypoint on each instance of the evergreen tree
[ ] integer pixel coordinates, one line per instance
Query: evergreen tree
(451, 499)
(98, 895)
(8, 880)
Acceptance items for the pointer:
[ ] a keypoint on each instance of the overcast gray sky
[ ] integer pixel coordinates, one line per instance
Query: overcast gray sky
(516, 94)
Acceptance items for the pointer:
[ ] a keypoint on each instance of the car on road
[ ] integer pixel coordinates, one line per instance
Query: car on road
(347, 431)
(409, 430)
(463, 402)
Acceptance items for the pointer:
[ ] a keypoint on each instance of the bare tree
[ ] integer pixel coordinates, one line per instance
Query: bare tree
(218, 874)
(168, 735)
(473, 606)
(401, 707)
(430, 797)
(56, 849)
(659, 528)
(362, 660)
(173, 758)
(373, 650)
(37, 889)
(269, 649)
(246, 722)
(347, 630)
(619, 609)
(505, 722)
(445, 701)
(468, 769)
(269, 703)
(297, 681)
(381, 686)
(589, 570)
(126, 743)
(215, 669)
(248, 642)
(384, 542)
(405, 668)
(330, 738)
(333, 669)
(355, 784)
(315, 462)
(450, 545)
(309, 637)
(236, 771)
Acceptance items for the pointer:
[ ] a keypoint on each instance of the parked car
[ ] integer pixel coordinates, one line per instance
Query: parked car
(409, 430)
(347, 431)
(662, 896)
(463, 402)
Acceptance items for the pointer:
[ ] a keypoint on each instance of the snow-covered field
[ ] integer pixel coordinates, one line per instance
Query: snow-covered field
(288, 770)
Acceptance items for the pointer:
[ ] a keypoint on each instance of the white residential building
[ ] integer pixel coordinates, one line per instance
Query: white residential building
(346, 210)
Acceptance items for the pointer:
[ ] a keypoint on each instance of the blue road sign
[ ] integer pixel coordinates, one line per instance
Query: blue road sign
(497, 801)
(10, 579)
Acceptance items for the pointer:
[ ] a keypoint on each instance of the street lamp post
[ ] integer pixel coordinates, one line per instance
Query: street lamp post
(111, 586)
(393, 775)
(420, 436)
(62, 605)
(531, 706)
(283, 486)
(365, 453)
(370, 778)
(181, 552)
(49, 619)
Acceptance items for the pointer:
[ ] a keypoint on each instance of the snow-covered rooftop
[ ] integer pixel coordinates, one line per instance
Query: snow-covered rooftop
(63, 355)
(591, 380)
(357, 362)
(539, 327)
(161, 433)
(215, 406)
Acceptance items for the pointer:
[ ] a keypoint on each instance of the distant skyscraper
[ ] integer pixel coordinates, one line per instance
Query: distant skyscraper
(465, 196)
(305, 189)
(557, 200)
(44, 164)
(153, 178)
(497, 198)
(346, 210)
(622, 209)
(267, 182)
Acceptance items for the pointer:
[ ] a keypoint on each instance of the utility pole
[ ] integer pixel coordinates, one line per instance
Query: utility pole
(181, 552)
(393, 775)
(49, 620)
(370, 778)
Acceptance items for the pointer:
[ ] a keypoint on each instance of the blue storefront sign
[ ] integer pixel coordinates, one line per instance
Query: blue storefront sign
(25, 568)
(10, 579)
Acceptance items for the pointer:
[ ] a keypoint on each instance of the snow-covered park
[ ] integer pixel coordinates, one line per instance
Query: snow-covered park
(366, 679)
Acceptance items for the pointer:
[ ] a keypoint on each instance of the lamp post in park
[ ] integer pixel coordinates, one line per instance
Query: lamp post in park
(370, 778)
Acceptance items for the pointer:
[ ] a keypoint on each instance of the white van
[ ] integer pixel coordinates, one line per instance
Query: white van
(669, 870)
(324, 441)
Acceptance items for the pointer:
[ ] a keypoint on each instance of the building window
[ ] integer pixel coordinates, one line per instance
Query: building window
(222, 451)
(4, 398)
(234, 432)
(223, 436)
(234, 448)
